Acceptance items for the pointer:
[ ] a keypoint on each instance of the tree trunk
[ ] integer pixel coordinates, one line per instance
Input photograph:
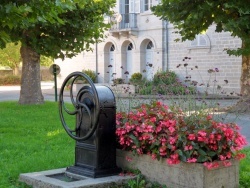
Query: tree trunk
(245, 76)
(243, 104)
(31, 92)
(16, 71)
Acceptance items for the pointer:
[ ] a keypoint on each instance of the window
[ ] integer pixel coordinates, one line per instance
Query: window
(150, 45)
(130, 47)
(199, 41)
(126, 6)
(147, 4)
(112, 48)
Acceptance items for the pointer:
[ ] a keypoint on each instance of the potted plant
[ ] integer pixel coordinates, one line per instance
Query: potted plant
(193, 150)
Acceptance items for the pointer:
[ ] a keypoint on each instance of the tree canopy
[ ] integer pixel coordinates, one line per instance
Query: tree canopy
(54, 28)
(191, 17)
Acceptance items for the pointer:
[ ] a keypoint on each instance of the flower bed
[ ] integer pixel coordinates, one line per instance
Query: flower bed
(174, 137)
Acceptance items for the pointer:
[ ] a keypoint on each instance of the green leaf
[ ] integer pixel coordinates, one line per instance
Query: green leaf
(201, 159)
(135, 140)
(211, 153)
(201, 152)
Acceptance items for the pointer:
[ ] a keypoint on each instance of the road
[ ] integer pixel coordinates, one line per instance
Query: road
(12, 93)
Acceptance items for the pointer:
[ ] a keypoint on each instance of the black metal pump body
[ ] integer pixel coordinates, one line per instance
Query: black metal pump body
(95, 155)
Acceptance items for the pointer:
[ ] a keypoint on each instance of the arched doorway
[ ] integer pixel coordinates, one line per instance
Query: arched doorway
(149, 61)
(111, 63)
(129, 63)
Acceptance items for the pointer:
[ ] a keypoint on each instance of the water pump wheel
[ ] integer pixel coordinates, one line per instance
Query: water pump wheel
(86, 101)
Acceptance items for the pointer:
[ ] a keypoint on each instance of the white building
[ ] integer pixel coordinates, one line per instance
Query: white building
(141, 42)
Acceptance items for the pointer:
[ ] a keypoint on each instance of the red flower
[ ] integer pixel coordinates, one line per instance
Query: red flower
(191, 136)
(191, 160)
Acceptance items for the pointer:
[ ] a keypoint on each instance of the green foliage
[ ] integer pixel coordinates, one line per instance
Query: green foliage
(10, 80)
(118, 81)
(194, 17)
(91, 74)
(30, 144)
(10, 56)
(46, 61)
(168, 77)
(136, 78)
(245, 170)
(57, 29)
(164, 83)
(139, 182)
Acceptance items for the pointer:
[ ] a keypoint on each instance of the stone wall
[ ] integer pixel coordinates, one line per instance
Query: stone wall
(6, 72)
(209, 57)
(45, 74)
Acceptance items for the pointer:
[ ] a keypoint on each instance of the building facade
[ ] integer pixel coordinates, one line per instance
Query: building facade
(138, 41)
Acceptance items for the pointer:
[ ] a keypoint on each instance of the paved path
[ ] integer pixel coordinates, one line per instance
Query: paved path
(8, 93)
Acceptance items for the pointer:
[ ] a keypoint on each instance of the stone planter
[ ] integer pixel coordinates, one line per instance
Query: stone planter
(123, 88)
(183, 175)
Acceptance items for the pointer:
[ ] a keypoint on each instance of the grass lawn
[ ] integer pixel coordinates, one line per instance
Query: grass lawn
(33, 139)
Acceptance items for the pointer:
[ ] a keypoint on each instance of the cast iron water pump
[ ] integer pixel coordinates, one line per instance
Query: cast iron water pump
(94, 131)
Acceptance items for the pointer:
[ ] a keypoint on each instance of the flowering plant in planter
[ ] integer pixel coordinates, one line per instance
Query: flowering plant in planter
(155, 130)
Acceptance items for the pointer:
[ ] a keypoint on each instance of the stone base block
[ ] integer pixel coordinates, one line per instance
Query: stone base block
(183, 175)
(59, 178)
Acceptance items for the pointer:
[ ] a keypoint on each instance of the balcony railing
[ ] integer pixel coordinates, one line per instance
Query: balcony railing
(129, 21)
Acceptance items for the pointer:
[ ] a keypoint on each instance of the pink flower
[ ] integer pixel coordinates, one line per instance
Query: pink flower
(190, 147)
(163, 140)
(227, 163)
(158, 129)
(174, 156)
(171, 123)
(202, 139)
(153, 119)
(139, 151)
(228, 155)
(240, 156)
(153, 156)
(191, 160)
(209, 117)
(171, 129)
(128, 158)
(162, 150)
(211, 165)
(191, 137)
(202, 133)
(172, 161)
(222, 158)
(158, 103)
(173, 148)
(218, 137)
(149, 129)
(172, 140)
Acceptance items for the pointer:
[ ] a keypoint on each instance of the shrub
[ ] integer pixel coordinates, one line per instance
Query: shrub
(165, 83)
(160, 132)
(118, 81)
(136, 78)
(10, 80)
(91, 74)
(165, 77)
